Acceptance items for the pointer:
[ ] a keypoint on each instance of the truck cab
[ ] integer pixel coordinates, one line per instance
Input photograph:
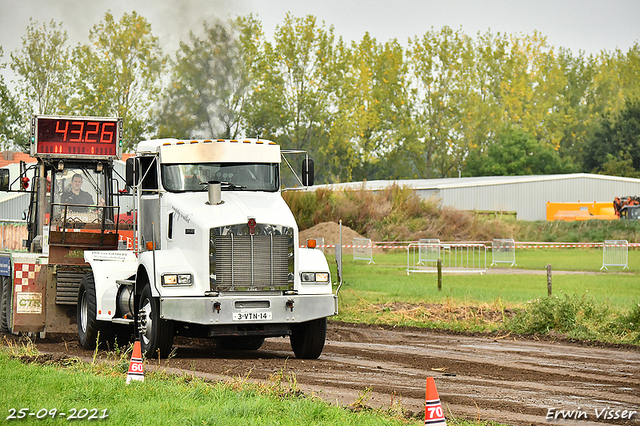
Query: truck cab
(216, 254)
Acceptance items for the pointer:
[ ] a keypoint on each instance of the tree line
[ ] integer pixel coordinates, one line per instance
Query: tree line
(443, 104)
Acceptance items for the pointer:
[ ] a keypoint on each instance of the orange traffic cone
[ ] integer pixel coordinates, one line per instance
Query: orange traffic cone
(136, 371)
(433, 414)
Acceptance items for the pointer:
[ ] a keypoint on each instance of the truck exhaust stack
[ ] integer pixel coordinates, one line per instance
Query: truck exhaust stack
(215, 193)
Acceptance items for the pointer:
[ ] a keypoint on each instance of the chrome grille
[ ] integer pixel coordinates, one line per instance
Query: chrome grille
(242, 262)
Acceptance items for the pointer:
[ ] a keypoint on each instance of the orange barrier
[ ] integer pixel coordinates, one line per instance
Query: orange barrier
(569, 212)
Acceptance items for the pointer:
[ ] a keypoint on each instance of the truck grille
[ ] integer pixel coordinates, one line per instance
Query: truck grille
(239, 261)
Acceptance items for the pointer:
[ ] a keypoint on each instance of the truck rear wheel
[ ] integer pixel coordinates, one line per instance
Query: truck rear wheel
(88, 326)
(156, 334)
(5, 304)
(307, 339)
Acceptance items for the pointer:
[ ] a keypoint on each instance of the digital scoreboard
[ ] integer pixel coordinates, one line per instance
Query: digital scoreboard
(92, 137)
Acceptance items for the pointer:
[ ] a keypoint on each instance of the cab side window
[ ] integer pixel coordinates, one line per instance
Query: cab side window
(149, 171)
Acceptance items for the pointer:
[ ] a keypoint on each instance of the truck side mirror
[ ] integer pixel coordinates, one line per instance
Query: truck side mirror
(307, 172)
(4, 180)
(131, 177)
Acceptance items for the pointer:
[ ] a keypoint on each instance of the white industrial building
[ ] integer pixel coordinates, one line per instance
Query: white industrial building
(525, 195)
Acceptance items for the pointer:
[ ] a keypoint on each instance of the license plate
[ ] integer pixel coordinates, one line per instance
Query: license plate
(252, 316)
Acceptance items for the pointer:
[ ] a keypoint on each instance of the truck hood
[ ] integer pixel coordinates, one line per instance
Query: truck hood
(236, 208)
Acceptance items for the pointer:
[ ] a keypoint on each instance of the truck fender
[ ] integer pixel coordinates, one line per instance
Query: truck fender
(171, 261)
(107, 267)
(312, 260)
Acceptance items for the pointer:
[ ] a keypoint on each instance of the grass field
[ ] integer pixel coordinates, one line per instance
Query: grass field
(387, 280)
(595, 305)
(564, 259)
(99, 390)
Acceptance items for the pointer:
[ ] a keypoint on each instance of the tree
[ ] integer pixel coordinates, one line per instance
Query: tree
(530, 89)
(615, 148)
(615, 81)
(293, 75)
(289, 96)
(207, 89)
(576, 122)
(369, 115)
(442, 68)
(302, 50)
(261, 113)
(12, 125)
(516, 153)
(43, 65)
(119, 73)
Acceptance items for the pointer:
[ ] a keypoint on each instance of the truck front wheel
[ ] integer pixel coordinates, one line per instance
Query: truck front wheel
(156, 334)
(307, 339)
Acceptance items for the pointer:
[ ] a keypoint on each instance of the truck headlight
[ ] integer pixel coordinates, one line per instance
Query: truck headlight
(314, 277)
(176, 279)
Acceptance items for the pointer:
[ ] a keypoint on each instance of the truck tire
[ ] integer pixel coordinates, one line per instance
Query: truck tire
(88, 326)
(307, 339)
(156, 334)
(5, 305)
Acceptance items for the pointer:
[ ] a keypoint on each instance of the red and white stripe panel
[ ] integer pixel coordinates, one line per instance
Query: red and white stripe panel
(24, 280)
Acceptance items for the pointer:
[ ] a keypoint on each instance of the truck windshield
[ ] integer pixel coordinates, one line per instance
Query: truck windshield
(78, 188)
(232, 176)
(77, 193)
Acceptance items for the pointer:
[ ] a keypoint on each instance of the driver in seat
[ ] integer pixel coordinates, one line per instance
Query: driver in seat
(75, 195)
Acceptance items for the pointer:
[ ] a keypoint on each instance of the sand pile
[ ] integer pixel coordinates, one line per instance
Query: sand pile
(330, 231)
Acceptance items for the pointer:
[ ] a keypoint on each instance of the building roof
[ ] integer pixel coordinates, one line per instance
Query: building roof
(436, 184)
(15, 157)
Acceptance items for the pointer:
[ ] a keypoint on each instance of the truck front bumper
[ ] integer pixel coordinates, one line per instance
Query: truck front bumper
(250, 309)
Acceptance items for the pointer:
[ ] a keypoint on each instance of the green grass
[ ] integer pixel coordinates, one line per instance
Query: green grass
(386, 284)
(585, 306)
(387, 280)
(571, 259)
(560, 259)
(164, 399)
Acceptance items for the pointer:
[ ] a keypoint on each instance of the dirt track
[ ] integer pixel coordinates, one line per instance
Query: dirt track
(508, 380)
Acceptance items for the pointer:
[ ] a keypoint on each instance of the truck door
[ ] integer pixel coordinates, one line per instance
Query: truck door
(149, 208)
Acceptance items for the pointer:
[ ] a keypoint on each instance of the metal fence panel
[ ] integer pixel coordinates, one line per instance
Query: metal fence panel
(428, 252)
(456, 258)
(362, 249)
(503, 251)
(615, 253)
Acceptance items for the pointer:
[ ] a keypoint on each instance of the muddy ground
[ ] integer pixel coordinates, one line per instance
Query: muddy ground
(508, 379)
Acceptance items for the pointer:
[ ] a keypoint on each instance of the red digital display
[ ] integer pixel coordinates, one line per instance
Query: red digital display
(77, 136)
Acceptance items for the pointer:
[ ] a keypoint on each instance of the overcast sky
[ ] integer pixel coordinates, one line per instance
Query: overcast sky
(589, 26)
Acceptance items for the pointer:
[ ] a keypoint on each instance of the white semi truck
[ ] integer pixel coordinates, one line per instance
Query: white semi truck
(214, 252)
